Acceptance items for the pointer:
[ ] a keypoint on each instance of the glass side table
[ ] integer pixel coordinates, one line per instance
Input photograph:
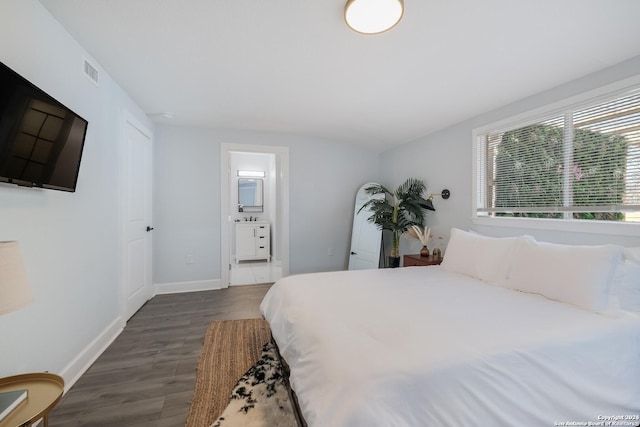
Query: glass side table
(44, 390)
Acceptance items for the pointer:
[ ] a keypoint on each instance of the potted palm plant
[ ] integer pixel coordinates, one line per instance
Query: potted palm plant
(398, 211)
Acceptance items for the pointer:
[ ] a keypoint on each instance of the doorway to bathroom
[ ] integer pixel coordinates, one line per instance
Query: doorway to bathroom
(254, 214)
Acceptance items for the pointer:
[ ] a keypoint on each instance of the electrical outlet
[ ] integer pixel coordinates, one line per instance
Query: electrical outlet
(189, 259)
(330, 251)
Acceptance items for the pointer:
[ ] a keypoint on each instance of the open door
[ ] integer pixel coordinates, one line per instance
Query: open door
(365, 237)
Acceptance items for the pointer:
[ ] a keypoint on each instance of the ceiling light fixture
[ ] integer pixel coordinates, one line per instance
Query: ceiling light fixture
(373, 16)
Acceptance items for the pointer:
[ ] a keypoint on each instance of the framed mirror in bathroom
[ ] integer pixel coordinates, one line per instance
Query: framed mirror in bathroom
(250, 195)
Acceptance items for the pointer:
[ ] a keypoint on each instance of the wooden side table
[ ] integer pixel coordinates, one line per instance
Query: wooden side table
(418, 260)
(44, 390)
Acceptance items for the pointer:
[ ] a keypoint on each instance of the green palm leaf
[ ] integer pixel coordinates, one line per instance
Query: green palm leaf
(399, 210)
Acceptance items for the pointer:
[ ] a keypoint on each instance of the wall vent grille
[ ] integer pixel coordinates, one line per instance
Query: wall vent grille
(90, 71)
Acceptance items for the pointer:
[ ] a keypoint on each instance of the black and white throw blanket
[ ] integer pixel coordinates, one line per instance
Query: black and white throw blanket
(260, 398)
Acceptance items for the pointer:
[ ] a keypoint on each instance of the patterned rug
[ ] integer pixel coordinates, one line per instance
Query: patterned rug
(233, 349)
(260, 398)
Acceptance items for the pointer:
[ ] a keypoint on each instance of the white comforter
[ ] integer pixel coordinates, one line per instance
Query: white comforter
(423, 347)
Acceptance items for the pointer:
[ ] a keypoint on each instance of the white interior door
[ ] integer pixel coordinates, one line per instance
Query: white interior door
(137, 149)
(365, 236)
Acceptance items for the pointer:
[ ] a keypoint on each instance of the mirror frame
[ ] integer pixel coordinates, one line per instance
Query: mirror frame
(258, 202)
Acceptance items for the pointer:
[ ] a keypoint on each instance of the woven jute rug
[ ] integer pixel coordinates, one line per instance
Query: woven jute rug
(231, 347)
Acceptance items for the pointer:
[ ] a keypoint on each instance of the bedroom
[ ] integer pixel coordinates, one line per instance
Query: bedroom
(70, 241)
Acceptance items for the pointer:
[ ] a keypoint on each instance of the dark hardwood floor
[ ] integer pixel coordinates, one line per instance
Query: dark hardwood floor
(147, 375)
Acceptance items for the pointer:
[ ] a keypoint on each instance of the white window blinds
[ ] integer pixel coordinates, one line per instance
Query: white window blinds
(583, 163)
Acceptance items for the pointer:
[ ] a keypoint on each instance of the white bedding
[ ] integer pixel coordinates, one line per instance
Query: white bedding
(421, 346)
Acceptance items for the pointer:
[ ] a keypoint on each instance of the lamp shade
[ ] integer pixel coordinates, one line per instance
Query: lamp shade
(14, 287)
(373, 16)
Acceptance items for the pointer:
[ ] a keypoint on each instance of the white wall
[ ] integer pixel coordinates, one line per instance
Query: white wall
(324, 181)
(70, 241)
(324, 177)
(444, 160)
(186, 208)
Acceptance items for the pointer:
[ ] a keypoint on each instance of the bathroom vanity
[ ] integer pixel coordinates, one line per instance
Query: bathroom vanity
(253, 241)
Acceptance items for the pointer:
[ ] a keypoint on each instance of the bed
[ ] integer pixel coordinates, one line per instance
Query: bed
(477, 341)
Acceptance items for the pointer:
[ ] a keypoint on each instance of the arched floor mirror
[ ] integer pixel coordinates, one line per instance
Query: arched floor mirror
(366, 238)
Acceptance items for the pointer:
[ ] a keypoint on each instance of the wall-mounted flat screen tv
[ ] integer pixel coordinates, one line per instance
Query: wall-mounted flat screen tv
(41, 140)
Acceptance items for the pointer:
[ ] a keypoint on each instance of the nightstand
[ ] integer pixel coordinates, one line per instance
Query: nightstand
(418, 260)
(44, 391)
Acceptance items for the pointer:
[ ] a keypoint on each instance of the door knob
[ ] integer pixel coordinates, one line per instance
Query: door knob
(149, 228)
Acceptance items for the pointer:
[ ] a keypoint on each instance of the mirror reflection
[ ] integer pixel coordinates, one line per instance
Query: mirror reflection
(249, 195)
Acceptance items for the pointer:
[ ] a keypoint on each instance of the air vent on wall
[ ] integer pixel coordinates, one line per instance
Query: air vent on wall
(90, 71)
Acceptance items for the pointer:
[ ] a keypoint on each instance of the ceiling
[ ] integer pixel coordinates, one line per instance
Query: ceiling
(293, 66)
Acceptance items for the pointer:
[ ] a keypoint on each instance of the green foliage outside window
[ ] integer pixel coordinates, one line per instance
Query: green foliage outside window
(530, 171)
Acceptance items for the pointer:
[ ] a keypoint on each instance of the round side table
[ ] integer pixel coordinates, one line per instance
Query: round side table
(44, 390)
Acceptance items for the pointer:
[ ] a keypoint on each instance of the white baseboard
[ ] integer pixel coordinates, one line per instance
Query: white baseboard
(179, 287)
(79, 365)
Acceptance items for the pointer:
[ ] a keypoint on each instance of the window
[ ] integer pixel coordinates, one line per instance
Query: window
(578, 163)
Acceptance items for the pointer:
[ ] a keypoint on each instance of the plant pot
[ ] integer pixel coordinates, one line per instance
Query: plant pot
(425, 251)
(394, 262)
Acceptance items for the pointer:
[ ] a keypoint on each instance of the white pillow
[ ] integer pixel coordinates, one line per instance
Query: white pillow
(627, 281)
(483, 257)
(459, 253)
(578, 275)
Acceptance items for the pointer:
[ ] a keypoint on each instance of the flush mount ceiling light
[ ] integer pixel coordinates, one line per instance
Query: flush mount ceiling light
(373, 16)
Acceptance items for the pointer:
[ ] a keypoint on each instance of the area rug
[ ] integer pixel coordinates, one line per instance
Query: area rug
(230, 348)
(260, 398)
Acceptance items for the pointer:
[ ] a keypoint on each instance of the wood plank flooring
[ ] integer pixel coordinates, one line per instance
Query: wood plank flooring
(147, 375)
